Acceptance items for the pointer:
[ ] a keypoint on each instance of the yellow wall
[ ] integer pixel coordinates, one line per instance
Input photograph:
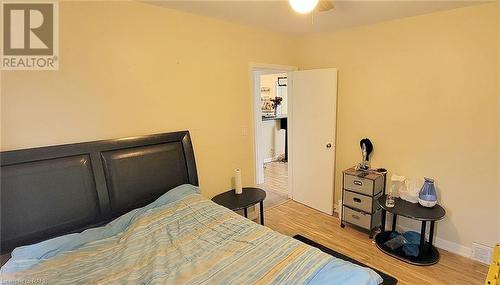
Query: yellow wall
(425, 91)
(129, 68)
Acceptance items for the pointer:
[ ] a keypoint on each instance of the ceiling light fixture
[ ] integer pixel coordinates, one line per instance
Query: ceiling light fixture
(303, 6)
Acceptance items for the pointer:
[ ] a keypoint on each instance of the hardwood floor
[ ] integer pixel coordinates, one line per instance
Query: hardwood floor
(276, 176)
(292, 218)
(275, 183)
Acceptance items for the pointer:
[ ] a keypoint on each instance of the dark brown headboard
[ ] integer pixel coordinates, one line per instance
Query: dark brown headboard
(56, 190)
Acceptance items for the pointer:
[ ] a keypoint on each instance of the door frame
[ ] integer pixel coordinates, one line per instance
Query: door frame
(255, 70)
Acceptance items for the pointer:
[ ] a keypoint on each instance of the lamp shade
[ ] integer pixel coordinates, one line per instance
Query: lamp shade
(303, 6)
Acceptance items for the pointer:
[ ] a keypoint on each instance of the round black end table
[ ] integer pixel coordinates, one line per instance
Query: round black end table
(428, 254)
(249, 197)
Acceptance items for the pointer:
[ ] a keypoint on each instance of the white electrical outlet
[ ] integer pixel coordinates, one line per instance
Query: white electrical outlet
(481, 253)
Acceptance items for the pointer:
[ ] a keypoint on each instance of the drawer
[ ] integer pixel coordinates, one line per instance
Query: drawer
(357, 218)
(363, 185)
(361, 202)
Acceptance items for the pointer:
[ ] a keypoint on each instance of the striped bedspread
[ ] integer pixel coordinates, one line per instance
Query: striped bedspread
(194, 241)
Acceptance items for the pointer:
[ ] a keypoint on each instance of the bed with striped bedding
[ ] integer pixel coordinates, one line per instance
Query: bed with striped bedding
(182, 238)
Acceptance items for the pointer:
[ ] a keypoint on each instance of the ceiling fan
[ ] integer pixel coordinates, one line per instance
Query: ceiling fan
(324, 6)
(306, 6)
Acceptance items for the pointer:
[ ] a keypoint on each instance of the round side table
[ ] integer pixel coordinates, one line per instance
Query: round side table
(428, 254)
(249, 197)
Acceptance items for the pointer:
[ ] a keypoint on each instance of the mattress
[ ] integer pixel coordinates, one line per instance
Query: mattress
(182, 238)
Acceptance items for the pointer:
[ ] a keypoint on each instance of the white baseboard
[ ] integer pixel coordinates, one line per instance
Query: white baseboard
(337, 209)
(453, 247)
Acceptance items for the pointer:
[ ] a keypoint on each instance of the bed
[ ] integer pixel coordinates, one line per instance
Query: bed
(129, 211)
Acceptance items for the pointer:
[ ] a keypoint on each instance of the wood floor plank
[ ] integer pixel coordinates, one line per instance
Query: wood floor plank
(292, 218)
(275, 183)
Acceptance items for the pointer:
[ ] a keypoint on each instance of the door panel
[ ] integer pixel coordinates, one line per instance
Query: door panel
(313, 114)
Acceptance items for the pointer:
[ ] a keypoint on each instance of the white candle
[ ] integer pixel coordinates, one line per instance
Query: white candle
(237, 181)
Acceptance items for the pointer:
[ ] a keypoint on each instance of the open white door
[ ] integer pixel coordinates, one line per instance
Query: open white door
(312, 137)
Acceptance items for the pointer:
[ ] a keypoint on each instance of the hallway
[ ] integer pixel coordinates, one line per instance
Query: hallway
(275, 183)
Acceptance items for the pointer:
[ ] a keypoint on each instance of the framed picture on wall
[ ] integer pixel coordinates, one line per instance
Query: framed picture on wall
(282, 81)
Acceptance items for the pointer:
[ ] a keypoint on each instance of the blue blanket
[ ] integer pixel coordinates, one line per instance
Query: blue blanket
(181, 238)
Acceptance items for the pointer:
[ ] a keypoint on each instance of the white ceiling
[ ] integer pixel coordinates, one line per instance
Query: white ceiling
(278, 16)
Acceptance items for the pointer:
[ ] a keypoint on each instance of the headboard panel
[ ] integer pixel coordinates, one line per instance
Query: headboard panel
(139, 175)
(56, 190)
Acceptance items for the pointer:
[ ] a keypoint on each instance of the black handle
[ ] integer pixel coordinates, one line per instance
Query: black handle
(357, 182)
(357, 200)
(328, 145)
(355, 217)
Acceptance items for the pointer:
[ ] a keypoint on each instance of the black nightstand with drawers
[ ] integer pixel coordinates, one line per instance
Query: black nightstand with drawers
(360, 191)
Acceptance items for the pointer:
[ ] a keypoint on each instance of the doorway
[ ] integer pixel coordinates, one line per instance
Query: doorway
(270, 94)
(273, 141)
(304, 171)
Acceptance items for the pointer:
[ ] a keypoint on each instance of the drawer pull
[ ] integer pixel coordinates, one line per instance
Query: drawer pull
(357, 200)
(355, 217)
(357, 182)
